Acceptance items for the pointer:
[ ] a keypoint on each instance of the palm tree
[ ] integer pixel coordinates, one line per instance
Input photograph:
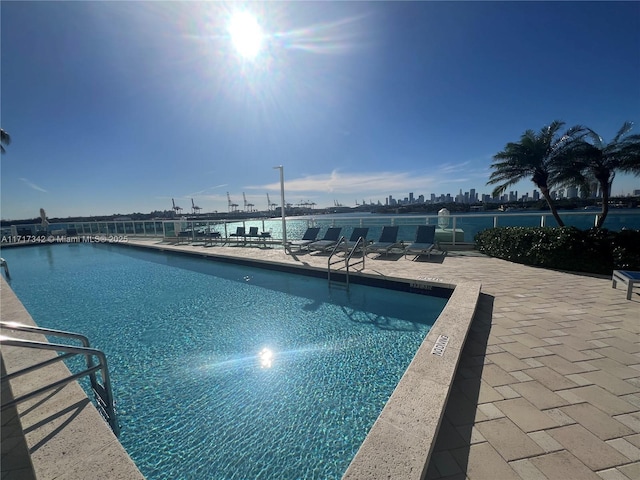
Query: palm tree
(595, 161)
(5, 139)
(532, 157)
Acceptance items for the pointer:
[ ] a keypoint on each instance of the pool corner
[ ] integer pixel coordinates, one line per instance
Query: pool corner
(400, 442)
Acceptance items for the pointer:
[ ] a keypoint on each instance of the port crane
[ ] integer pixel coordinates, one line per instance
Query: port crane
(270, 206)
(176, 208)
(248, 207)
(233, 207)
(194, 208)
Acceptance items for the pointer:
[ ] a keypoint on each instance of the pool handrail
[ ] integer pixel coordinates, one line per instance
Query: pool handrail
(103, 393)
(347, 258)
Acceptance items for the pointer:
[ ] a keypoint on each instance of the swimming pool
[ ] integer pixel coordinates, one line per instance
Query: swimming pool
(184, 336)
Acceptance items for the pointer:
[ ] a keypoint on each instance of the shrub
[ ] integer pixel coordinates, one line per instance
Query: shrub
(564, 248)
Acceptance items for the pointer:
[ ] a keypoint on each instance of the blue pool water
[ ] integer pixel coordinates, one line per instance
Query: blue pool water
(196, 398)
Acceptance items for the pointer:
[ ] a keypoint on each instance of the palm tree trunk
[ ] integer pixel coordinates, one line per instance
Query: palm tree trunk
(604, 186)
(552, 206)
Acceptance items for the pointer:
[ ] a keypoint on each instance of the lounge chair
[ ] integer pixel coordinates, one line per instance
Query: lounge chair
(210, 236)
(309, 236)
(330, 238)
(358, 232)
(185, 236)
(240, 233)
(253, 233)
(388, 240)
(424, 243)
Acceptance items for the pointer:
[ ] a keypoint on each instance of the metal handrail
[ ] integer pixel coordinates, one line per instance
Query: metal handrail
(103, 393)
(3, 264)
(336, 248)
(347, 258)
(20, 327)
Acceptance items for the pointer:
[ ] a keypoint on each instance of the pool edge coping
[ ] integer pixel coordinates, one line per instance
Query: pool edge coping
(400, 442)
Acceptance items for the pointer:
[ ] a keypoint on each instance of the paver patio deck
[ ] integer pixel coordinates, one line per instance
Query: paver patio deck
(548, 385)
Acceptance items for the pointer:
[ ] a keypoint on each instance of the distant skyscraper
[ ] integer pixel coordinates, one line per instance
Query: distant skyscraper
(472, 196)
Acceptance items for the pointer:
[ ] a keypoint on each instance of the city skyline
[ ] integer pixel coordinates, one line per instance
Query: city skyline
(464, 197)
(124, 106)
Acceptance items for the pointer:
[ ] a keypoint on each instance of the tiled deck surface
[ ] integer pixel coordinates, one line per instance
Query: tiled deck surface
(549, 382)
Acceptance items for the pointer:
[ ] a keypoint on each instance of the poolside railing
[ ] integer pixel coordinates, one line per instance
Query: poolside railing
(104, 401)
(453, 229)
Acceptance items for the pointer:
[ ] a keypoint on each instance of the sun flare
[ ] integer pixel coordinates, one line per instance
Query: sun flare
(266, 358)
(246, 34)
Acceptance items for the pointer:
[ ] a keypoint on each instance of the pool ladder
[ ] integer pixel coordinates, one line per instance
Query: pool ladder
(102, 391)
(347, 258)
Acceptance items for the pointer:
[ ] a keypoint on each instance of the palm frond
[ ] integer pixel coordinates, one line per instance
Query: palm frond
(629, 157)
(626, 128)
(5, 137)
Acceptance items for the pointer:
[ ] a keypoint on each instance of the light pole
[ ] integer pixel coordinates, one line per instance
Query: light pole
(284, 222)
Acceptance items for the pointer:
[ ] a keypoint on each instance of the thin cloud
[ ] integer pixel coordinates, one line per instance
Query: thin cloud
(33, 185)
(454, 167)
(354, 183)
(203, 192)
(457, 180)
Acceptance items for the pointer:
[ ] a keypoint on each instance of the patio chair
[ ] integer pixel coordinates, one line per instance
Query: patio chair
(309, 236)
(240, 233)
(388, 240)
(424, 243)
(185, 236)
(330, 238)
(358, 232)
(253, 233)
(210, 236)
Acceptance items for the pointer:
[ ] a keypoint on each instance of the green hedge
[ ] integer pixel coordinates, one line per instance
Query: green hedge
(564, 248)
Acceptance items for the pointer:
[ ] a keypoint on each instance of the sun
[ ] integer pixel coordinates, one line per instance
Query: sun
(246, 34)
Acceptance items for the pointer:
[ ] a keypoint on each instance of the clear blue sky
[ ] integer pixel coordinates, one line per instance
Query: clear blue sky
(116, 107)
